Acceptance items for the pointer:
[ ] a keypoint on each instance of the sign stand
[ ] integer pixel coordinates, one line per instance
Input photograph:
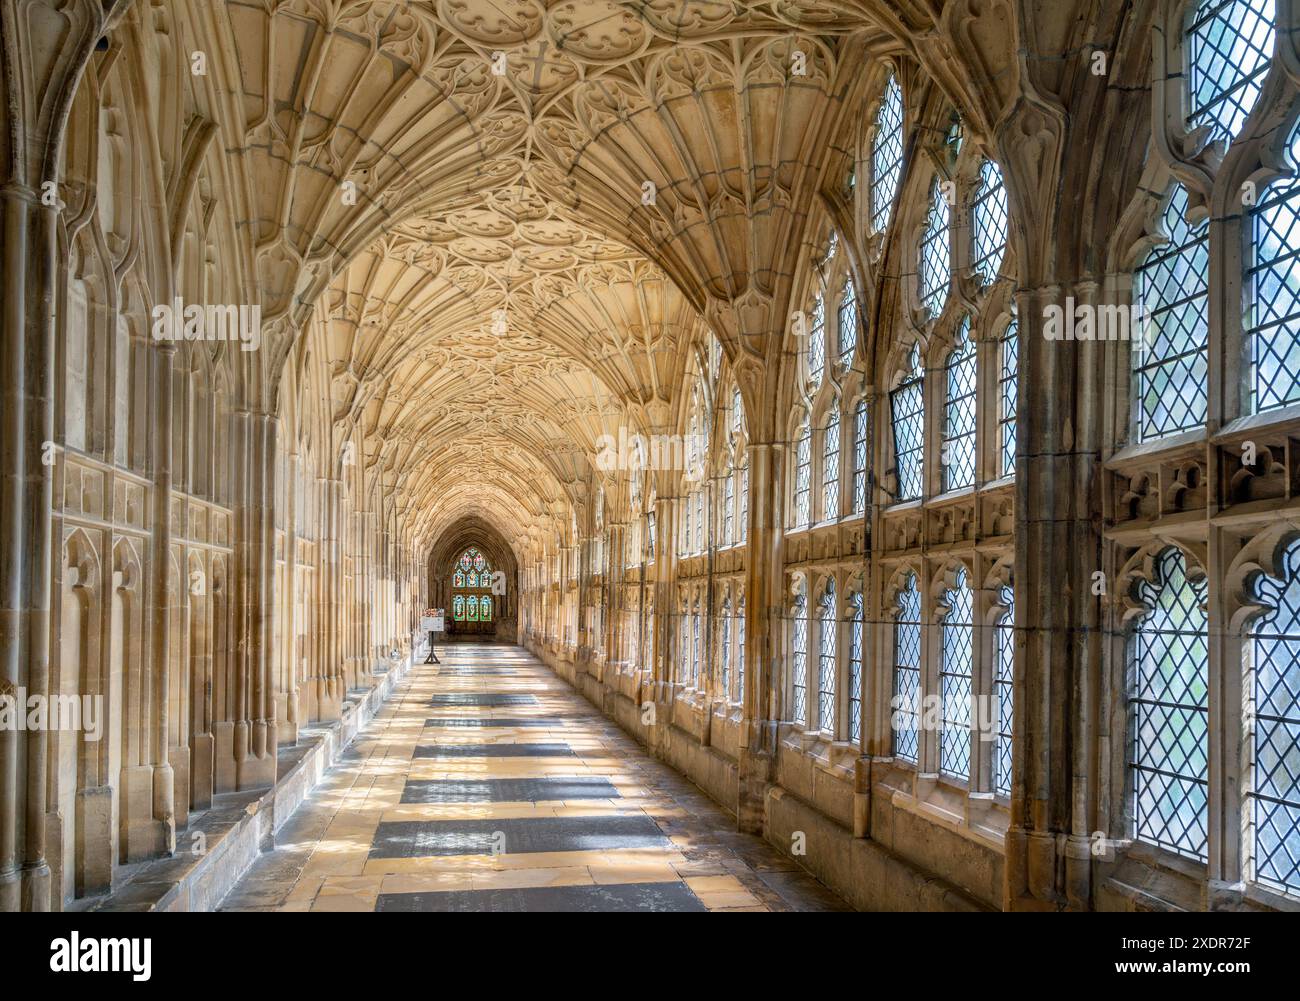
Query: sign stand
(432, 622)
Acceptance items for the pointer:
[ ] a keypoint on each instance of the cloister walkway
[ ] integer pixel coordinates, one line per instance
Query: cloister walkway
(487, 784)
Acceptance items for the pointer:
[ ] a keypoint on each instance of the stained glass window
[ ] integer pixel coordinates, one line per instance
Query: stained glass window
(465, 560)
(1168, 653)
(955, 673)
(855, 667)
(458, 607)
(1003, 672)
(817, 341)
(1273, 803)
(826, 641)
(847, 322)
(458, 579)
(935, 267)
(803, 477)
(959, 413)
(1273, 324)
(907, 670)
(1169, 360)
(907, 404)
(860, 458)
(471, 608)
(485, 608)
(471, 579)
(1008, 396)
(799, 661)
(831, 466)
(1230, 46)
(479, 561)
(989, 218)
(886, 156)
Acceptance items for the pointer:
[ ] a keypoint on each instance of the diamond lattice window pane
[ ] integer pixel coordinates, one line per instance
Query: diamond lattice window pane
(907, 670)
(907, 406)
(1169, 706)
(1274, 786)
(799, 663)
(935, 264)
(1008, 396)
(955, 673)
(847, 323)
(1230, 47)
(1170, 359)
(855, 667)
(860, 458)
(1003, 671)
(989, 218)
(831, 468)
(826, 640)
(1273, 323)
(959, 414)
(817, 342)
(887, 156)
(803, 478)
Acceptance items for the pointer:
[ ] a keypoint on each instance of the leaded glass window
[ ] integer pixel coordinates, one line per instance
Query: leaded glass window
(458, 579)
(907, 404)
(959, 413)
(743, 526)
(847, 322)
(737, 412)
(1169, 359)
(686, 527)
(886, 156)
(803, 478)
(817, 341)
(728, 508)
(1003, 693)
(957, 658)
(458, 607)
(485, 608)
(935, 265)
(724, 647)
(740, 650)
(699, 521)
(831, 466)
(989, 218)
(799, 661)
(1008, 397)
(1273, 323)
(907, 670)
(860, 457)
(471, 608)
(856, 638)
(1168, 653)
(650, 535)
(826, 642)
(1229, 48)
(1273, 796)
(695, 644)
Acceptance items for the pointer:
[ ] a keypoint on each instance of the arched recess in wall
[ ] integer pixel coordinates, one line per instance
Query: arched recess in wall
(473, 532)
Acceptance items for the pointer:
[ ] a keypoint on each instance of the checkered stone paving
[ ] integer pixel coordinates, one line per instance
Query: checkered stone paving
(490, 824)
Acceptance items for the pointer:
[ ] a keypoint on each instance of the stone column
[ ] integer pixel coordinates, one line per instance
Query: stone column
(764, 572)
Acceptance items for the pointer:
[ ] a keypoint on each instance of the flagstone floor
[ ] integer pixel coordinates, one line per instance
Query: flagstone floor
(487, 784)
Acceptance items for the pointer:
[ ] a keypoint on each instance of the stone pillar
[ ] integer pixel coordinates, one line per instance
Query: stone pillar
(764, 572)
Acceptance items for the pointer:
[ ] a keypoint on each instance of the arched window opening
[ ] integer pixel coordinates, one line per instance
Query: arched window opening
(989, 219)
(907, 670)
(831, 466)
(935, 265)
(886, 156)
(1168, 704)
(799, 661)
(958, 455)
(1273, 786)
(1230, 47)
(957, 649)
(1273, 279)
(907, 404)
(826, 665)
(1169, 360)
